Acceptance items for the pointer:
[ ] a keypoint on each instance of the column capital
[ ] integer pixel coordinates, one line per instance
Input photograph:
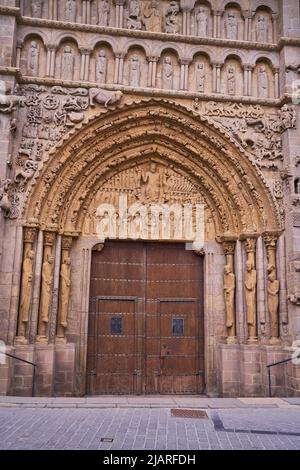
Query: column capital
(49, 238)
(229, 247)
(200, 252)
(270, 238)
(19, 44)
(99, 247)
(247, 14)
(120, 2)
(119, 55)
(66, 242)
(184, 61)
(152, 58)
(248, 67)
(51, 46)
(85, 50)
(218, 65)
(29, 234)
(250, 241)
(217, 12)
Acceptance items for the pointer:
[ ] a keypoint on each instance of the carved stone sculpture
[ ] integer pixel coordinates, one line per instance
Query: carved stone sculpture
(168, 73)
(9, 103)
(65, 283)
(202, 22)
(70, 11)
(5, 204)
(200, 77)
(135, 71)
(171, 18)
(26, 290)
(262, 82)
(36, 8)
(229, 287)
(287, 116)
(101, 66)
(33, 59)
(24, 174)
(250, 297)
(273, 300)
(151, 15)
(231, 80)
(67, 64)
(46, 292)
(134, 15)
(151, 184)
(231, 25)
(106, 97)
(261, 29)
(103, 12)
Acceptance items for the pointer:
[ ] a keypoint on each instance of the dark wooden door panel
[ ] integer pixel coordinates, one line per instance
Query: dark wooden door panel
(146, 320)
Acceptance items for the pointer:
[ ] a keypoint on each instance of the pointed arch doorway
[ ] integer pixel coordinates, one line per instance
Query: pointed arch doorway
(145, 333)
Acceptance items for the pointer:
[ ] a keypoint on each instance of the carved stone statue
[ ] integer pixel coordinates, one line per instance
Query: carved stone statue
(231, 26)
(151, 15)
(101, 65)
(65, 283)
(151, 184)
(200, 77)
(262, 82)
(33, 59)
(135, 71)
(105, 97)
(134, 15)
(250, 294)
(171, 18)
(103, 12)
(202, 22)
(47, 277)
(5, 204)
(67, 64)
(168, 73)
(26, 289)
(36, 8)
(70, 11)
(229, 286)
(261, 29)
(273, 300)
(231, 80)
(288, 117)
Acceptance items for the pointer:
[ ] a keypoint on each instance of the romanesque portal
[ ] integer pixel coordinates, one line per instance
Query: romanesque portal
(149, 196)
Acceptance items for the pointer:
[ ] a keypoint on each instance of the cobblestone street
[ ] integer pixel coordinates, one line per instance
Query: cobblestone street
(71, 424)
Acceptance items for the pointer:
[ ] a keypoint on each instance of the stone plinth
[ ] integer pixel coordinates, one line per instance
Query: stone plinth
(251, 375)
(269, 355)
(230, 374)
(22, 381)
(64, 379)
(45, 360)
(6, 369)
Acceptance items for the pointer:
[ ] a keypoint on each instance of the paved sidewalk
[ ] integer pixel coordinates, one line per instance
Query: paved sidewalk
(134, 423)
(113, 401)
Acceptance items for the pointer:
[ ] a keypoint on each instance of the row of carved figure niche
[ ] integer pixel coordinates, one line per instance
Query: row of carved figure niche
(136, 69)
(151, 16)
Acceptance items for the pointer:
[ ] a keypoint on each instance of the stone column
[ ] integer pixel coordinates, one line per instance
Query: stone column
(261, 298)
(121, 67)
(184, 74)
(116, 70)
(218, 78)
(270, 239)
(64, 286)
(82, 63)
(119, 13)
(87, 64)
(26, 283)
(250, 71)
(84, 11)
(283, 289)
(154, 71)
(52, 11)
(275, 17)
(52, 49)
(46, 288)
(229, 289)
(18, 55)
(88, 11)
(219, 13)
(214, 77)
(245, 91)
(276, 82)
(250, 284)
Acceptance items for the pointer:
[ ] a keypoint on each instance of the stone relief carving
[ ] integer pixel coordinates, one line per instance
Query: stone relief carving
(65, 283)
(26, 290)
(200, 77)
(33, 59)
(172, 18)
(167, 73)
(261, 29)
(273, 300)
(9, 102)
(36, 8)
(103, 12)
(263, 82)
(231, 80)
(101, 67)
(151, 15)
(135, 71)
(70, 11)
(229, 289)
(67, 64)
(48, 114)
(231, 25)
(202, 22)
(134, 15)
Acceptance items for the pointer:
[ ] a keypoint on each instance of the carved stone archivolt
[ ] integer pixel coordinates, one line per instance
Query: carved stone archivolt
(116, 143)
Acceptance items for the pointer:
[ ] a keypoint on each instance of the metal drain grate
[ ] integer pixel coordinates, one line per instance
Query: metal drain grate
(181, 413)
(106, 439)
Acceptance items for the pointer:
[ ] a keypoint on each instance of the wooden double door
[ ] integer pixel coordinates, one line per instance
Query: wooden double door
(145, 332)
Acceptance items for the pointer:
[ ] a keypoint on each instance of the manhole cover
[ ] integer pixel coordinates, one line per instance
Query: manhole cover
(181, 413)
(106, 439)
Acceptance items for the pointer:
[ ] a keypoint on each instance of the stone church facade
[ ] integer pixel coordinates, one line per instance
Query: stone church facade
(173, 103)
